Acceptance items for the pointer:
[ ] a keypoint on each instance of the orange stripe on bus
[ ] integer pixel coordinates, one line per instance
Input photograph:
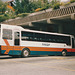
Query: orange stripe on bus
(3, 47)
(17, 48)
(5, 40)
(42, 49)
(48, 49)
(7, 49)
(45, 49)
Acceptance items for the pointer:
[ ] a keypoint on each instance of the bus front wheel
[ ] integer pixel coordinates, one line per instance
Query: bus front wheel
(25, 52)
(64, 53)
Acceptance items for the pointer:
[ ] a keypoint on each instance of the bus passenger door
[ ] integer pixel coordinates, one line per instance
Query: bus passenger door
(73, 45)
(17, 38)
(17, 47)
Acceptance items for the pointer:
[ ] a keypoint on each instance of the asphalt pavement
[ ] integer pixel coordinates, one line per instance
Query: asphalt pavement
(37, 65)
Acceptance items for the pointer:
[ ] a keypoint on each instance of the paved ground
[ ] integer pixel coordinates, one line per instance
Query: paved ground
(41, 65)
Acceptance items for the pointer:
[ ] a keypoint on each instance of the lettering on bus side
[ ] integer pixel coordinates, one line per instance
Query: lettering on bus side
(45, 44)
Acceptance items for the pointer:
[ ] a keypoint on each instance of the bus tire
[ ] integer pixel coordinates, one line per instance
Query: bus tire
(25, 52)
(64, 53)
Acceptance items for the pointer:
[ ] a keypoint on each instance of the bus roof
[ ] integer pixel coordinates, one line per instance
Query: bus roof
(28, 30)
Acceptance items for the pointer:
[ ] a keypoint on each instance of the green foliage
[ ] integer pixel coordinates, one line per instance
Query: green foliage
(6, 15)
(44, 8)
(3, 18)
(22, 14)
(2, 11)
(72, 1)
(22, 6)
(67, 3)
(44, 3)
(17, 7)
(2, 7)
(35, 5)
(48, 6)
(13, 17)
(27, 6)
(56, 6)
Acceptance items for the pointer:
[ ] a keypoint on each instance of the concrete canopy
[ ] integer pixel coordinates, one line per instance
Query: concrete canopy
(60, 20)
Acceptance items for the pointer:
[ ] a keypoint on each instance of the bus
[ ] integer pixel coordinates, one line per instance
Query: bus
(15, 40)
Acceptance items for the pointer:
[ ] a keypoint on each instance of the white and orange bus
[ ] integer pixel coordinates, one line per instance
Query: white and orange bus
(15, 40)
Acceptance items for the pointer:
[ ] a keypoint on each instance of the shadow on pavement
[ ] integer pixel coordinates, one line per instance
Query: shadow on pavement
(34, 56)
(14, 57)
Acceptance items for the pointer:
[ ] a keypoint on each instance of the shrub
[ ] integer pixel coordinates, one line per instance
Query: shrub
(56, 6)
(2, 18)
(6, 15)
(72, 1)
(22, 14)
(38, 9)
(62, 4)
(67, 3)
(13, 17)
(43, 8)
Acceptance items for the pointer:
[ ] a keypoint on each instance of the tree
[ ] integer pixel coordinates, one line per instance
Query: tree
(35, 4)
(2, 7)
(17, 6)
(26, 6)
(72, 1)
(56, 6)
(21, 6)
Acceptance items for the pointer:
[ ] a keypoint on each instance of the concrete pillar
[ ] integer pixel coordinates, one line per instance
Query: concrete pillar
(60, 28)
(49, 21)
(30, 24)
(73, 16)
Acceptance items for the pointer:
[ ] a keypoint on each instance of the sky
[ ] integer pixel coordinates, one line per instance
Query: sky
(61, 0)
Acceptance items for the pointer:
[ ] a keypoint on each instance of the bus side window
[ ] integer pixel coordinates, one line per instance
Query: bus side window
(7, 34)
(26, 36)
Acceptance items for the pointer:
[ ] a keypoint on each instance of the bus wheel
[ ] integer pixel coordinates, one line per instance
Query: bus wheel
(25, 52)
(64, 52)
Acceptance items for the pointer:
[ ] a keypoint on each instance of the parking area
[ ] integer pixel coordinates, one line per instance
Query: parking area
(37, 65)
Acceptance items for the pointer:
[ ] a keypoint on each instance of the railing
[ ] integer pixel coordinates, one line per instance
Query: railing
(40, 16)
